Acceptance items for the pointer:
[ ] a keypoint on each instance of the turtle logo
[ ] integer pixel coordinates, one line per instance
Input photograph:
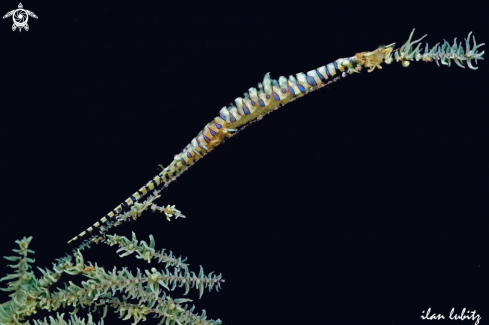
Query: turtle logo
(20, 17)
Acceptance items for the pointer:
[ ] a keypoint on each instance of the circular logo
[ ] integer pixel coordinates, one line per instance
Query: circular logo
(20, 17)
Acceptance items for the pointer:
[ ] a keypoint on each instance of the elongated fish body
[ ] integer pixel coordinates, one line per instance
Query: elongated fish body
(271, 94)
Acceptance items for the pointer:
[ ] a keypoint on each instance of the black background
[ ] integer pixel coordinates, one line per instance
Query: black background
(365, 203)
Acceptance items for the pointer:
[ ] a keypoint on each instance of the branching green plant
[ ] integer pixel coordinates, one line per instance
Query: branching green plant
(140, 293)
(137, 295)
